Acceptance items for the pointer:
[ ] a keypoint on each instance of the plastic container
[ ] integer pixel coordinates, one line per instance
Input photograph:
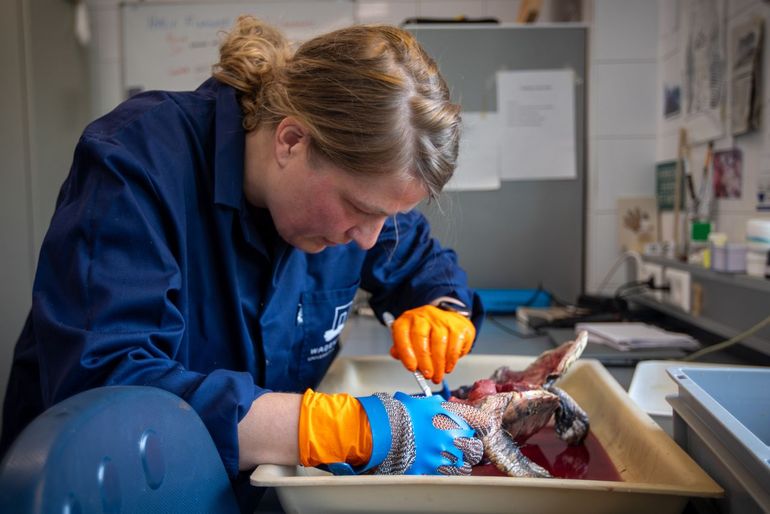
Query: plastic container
(722, 419)
(758, 240)
(729, 258)
(758, 235)
(756, 264)
(658, 476)
(506, 301)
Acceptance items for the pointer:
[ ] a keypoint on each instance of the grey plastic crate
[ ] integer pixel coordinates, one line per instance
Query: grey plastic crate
(722, 419)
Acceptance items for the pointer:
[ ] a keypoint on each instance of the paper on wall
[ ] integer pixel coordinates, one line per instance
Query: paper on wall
(537, 118)
(478, 164)
(705, 84)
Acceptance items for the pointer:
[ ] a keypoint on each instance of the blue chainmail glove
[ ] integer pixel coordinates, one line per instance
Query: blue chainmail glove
(415, 435)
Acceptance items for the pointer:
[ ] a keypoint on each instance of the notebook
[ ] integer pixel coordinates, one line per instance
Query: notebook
(610, 356)
(626, 336)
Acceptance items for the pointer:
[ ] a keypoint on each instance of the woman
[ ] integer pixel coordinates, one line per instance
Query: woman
(210, 243)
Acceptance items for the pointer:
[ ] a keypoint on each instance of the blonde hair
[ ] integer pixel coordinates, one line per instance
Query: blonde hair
(372, 98)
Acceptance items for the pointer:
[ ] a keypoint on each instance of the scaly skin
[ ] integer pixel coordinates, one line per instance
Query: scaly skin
(505, 454)
(527, 412)
(499, 446)
(529, 406)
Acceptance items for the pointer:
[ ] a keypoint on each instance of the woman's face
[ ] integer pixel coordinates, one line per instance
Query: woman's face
(316, 204)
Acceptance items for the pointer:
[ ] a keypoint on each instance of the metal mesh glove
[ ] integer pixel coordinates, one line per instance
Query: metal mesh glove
(415, 435)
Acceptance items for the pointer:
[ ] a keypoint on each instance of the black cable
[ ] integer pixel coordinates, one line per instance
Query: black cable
(555, 299)
(647, 283)
(508, 330)
(539, 290)
(635, 287)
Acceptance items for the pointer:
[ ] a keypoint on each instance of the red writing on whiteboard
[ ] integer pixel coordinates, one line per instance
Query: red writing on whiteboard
(180, 70)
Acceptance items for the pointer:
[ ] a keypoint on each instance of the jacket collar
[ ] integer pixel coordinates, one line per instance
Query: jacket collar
(229, 146)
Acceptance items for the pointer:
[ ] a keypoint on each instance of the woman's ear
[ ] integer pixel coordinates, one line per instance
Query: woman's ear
(290, 140)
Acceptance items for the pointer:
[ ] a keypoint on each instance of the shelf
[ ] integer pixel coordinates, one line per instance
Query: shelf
(707, 324)
(729, 303)
(731, 279)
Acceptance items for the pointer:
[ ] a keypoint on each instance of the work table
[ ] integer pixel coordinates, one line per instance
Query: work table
(499, 335)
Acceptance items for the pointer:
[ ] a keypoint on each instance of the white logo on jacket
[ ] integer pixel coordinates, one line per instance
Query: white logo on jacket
(331, 336)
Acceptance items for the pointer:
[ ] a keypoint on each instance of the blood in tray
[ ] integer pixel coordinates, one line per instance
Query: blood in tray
(588, 461)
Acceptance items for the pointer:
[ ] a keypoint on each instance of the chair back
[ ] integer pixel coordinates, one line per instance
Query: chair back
(116, 449)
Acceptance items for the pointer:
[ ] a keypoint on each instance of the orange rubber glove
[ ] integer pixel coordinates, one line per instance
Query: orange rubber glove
(387, 434)
(431, 340)
(333, 428)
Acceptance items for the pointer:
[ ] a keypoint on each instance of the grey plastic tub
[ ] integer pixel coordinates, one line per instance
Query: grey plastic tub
(722, 419)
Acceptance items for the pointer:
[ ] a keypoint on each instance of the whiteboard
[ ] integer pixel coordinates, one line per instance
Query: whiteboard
(173, 46)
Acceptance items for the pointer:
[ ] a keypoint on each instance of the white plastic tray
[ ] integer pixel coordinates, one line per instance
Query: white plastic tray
(651, 384)
(657, 475)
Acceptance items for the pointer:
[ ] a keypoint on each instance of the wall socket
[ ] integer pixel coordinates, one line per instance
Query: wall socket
(656, 272)
(679, 284)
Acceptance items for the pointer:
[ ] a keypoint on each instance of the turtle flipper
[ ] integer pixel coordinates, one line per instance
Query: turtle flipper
(499, 446)
(571, 421)
(505, 454)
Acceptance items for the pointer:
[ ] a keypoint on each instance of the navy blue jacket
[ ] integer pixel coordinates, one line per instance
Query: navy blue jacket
(156, 271)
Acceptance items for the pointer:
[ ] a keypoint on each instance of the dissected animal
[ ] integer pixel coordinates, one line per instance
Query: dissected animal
(524, 402)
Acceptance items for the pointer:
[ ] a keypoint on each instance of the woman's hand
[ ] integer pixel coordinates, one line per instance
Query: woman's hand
(431, 340)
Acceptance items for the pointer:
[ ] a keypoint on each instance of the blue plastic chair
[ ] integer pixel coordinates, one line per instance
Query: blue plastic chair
(116, 449)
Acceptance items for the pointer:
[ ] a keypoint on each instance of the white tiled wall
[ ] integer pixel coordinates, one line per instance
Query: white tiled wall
(601, 251)
(622, 102)
(622, 97)
(104, 54)
(731, 214)
(393, 11)
(620, 167)
(441, 8)
(624, 30)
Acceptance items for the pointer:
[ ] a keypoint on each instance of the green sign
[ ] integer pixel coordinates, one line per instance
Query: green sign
(665, 182)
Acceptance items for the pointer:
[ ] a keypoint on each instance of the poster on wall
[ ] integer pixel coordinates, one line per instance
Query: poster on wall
(669, 23)
(728, 172)
(673, 99)
(705, 83)
(745, 99)
(669, 15)
(638, 223)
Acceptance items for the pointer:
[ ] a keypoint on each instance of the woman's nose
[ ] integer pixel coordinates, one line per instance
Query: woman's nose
(365, 234)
